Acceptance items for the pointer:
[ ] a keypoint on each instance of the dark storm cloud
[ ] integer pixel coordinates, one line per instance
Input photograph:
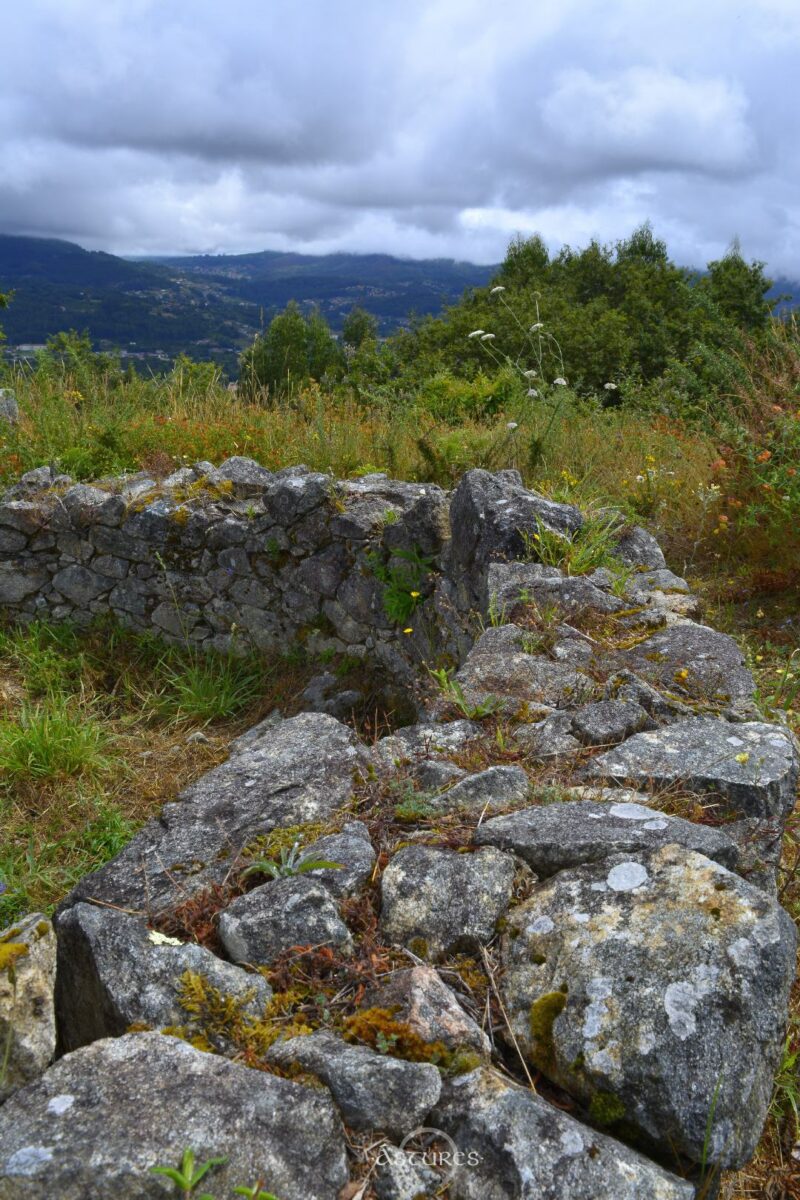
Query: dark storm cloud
(436, 127)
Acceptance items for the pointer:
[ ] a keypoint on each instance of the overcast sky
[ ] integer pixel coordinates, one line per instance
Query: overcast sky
(419, 127)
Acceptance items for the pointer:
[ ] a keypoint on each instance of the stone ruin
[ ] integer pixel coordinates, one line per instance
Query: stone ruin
(551, 934)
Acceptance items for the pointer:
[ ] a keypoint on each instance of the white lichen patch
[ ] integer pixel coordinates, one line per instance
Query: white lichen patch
(58, 1105)
(630, 812)
(28, 1159)
(626, 876)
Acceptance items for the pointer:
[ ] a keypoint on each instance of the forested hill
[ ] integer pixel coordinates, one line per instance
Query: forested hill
(208, 306)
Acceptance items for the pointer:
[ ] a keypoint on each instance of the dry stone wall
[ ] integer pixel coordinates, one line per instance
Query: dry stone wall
(590, 809)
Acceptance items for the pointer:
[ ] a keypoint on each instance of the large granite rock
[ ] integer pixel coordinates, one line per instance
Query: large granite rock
(272, 918)
(695, 661)
(301, 770)
(489, 516)
(751, 767)
(654, 988)
(485, 791)
(114, 972)
(500, 666)
(351, 850)
(438, 901)
(551, 837)
(512, 583)
(512, 1143)
(371, 1090)
(27, 1017)
(102, 1117)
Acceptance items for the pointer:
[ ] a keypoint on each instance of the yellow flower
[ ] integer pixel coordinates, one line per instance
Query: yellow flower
(759, 658)
(743, 757)
(760, 612)
(408, 630)
(684, 674)
(414, 595)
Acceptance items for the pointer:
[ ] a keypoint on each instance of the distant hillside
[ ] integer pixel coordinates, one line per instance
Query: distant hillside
(207, 306)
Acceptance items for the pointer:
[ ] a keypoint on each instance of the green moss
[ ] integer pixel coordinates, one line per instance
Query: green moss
(10, 952)
(418, 946)
(542, 1018)
(606, 1109)
(538, 959)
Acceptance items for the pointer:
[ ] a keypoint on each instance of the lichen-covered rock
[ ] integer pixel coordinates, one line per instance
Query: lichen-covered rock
(114, 972)
(27, 1017)
(551, 837)
(606, 722)
(489, 517)
(638, 548)
(692, 660)
(752, 766)
(510, 584)
(416, 743)
(9, 409)
(371, 1090)
(301, 770)
(103, 1116)
(402, 1176)
(438, 901)
(654, 988)
(548, 739)
(499, 666)
(422, 1000)
(489, 790)
(299, 911)
(353, 852)
(512, 1143)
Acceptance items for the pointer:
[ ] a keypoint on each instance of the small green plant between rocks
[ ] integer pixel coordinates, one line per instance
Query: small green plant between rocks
(289, 863)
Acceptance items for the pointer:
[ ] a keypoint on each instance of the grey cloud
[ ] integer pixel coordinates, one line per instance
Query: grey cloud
(433, 127)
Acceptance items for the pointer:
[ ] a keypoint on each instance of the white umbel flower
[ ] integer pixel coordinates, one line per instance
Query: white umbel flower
(512, 425)
(610, 387)
(497, 289)
(488, 337)
(532, 392)
(475, 333)
(560, 381)
(530, 374)
(537, 325)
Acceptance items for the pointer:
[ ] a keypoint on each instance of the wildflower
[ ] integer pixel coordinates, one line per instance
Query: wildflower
(560, 381)
(759, 658)
(497, 289)
(475, 333)
(512, 425)
(488, 337)
(408, 629)
(530, 374)
(640, 478)
(414, 595)
(540, 325)
(764, 456)
(532, 392)
(610, 387)
(682, 674)
(760, 613)
(718, 464)
(791, 472)
(723, 519)
(743, 757)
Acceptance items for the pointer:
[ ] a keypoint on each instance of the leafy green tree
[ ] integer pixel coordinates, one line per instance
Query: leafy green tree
(323, 353)
(291, 351)
(359, 327)
(4, 301)
(739, 289)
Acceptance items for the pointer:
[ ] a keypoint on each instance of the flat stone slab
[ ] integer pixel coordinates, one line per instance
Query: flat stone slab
(489, 790)
(751, 766)
(438, 901)
(114, 972)
(714, 665)
(654, 988)
(512, 1143)
(550, 837)
(95, 1124)
(298, 771)
(514, 583)
(372, 1091)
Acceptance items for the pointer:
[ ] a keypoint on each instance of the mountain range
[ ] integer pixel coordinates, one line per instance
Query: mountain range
(209, 306)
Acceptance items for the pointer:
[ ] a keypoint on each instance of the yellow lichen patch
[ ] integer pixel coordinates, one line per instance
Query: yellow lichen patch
(10, 953)
(543, 1014)
(380, 1029)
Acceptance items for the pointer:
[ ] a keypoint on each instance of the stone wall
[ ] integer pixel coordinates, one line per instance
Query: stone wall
(590, 811)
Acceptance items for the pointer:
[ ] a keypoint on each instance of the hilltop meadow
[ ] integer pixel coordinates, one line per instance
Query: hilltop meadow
(608, 376)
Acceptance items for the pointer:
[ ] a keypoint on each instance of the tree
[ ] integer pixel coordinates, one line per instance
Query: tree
(5, 297)
(359, 327)
(739, 289)
(291, 351)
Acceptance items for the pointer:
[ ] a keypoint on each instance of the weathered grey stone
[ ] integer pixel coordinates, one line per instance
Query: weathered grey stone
(417, 743)
(371, 1090)
(402, 1176)
(510, 584)
(438, 901)
(498, 665)
(759, 843)
(246, 475)
(753, 767)
(273, 780)
(114, 972)
(80, 585)
(423, 1001)
(713, 663)
(433, 775)
(638, 548)
(17, 582)
(551, 837)
(40, 479)
(625, 685)
(654, 988)
(9, 409)
(83, 504)
(11, 541)
(103, 1116)
(353, 851)
(258, 926)
(606, 722)
(550, 738)
(512, 1143)
(26, 516)
(489, 516)
(489, 790)
(27, 1018)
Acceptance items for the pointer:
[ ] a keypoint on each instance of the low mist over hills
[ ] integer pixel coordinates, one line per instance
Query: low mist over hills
(209, 306)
